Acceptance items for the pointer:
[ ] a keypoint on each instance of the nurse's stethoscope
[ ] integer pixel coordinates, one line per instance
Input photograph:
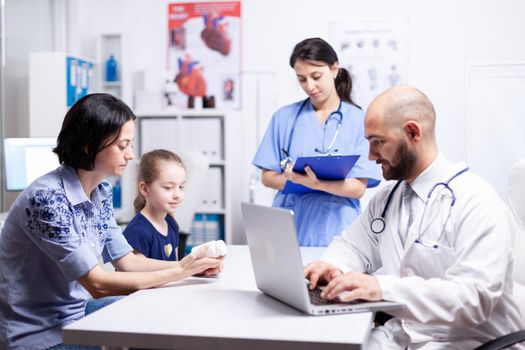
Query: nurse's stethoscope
(286, 152)
(378, 224)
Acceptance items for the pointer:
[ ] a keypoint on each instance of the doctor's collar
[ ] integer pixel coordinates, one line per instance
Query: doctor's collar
(431, 175)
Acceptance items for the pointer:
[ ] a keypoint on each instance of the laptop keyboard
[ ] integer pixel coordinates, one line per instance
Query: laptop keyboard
(317, 299)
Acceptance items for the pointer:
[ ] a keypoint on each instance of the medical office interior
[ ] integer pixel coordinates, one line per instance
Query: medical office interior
(467, 56)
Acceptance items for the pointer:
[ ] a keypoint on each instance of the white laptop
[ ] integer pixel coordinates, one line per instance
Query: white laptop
(278, 268)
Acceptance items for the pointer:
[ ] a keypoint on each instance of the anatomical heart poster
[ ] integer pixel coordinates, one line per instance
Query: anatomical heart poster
(204, 52)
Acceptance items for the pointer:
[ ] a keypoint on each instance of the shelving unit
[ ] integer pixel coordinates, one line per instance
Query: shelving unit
(109, 44)
(112, 87)
(202, 131)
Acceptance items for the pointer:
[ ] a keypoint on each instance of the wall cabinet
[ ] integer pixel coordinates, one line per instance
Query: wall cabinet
(56, 81)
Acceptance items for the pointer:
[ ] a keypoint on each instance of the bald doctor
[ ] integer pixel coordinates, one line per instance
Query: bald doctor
(440, 233)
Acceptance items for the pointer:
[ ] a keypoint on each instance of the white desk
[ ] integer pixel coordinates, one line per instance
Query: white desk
(227, 312)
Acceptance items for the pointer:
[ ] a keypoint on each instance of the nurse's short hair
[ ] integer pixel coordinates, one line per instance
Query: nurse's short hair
(93, 123)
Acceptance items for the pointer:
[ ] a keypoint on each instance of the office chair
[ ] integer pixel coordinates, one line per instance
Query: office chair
(516, 202)
(258, 193)
(197, 166)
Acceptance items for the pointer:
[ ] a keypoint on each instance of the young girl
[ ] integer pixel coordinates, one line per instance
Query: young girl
(153, 232)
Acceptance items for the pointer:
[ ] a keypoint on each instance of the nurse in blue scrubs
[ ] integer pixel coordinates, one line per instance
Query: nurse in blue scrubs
(327, 122)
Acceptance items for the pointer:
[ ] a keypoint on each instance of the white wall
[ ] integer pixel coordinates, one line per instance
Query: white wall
(445, 37)
(24, 33)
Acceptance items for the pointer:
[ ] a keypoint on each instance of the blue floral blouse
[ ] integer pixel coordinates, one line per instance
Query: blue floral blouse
(54, 234)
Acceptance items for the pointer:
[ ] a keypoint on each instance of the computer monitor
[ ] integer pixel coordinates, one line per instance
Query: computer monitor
(26, 159)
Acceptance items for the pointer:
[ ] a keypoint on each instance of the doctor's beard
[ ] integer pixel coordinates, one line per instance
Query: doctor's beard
(402, 165)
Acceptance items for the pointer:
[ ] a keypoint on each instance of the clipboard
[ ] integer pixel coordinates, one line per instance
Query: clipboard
(324, 167)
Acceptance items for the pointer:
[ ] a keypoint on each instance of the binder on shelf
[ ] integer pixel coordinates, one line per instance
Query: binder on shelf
(325, 168)
(205, 228)
(211, 228)
(215, 193)
(159, 133)
(196, 231)
(204, 134)
(215, 140)
(215, 225)
(212, 196)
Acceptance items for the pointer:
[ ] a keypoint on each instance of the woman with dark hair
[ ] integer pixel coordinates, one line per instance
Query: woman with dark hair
(61, 225)
(327, 122)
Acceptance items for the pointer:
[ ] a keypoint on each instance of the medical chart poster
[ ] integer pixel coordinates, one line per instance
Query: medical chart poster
(375, 53)
(204, 50)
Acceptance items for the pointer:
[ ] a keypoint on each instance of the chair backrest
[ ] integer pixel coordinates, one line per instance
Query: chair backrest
(516, 189)
(258, 193)
(516, 202)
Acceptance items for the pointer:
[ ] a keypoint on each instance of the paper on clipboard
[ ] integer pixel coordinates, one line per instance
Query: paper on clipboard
(324, 167)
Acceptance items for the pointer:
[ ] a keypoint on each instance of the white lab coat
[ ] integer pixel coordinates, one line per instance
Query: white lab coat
(463, 289)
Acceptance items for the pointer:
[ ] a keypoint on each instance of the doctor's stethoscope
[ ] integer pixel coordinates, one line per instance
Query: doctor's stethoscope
(287, 159)
(378, 224)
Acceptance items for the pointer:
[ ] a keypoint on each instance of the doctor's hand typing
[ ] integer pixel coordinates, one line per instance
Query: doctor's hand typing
(320, 272)
(345, 287)
(352, 286)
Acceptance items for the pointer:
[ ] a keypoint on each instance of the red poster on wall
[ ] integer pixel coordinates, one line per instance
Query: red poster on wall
(204, 51)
